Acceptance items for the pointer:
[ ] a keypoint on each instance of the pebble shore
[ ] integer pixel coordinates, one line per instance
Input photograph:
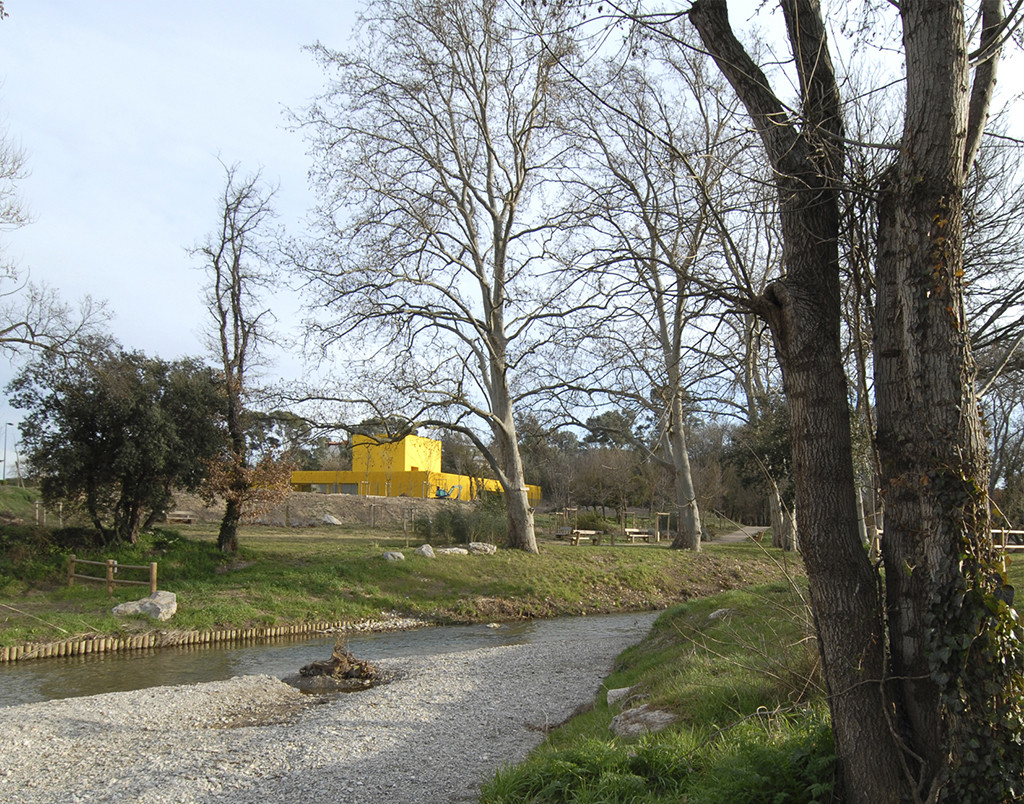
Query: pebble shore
(433, 734)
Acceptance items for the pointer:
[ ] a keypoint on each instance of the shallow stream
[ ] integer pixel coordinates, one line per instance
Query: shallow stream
(91, 674)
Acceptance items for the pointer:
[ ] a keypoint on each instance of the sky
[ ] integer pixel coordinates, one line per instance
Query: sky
(123, 109)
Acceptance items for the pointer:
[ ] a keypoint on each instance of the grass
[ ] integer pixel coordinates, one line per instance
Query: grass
(289, 575)
(750, 721)
(739, 670)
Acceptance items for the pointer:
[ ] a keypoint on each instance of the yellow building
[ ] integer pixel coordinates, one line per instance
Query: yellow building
(407, 468)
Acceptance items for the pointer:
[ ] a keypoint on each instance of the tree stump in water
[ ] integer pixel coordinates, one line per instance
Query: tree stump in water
(343, 672)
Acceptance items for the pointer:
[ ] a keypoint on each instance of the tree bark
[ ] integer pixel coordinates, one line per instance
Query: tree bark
(688, 537)
(521, 532)
(227, 536)
(803, 313)
(934, 459)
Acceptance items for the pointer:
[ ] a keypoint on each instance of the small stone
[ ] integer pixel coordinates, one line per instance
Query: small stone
(330, 519)
(393, 555)
(617, 694)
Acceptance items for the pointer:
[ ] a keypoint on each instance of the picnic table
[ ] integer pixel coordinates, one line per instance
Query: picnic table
(575, 534)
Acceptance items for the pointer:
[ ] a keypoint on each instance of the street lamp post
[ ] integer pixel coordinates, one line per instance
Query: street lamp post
(9, 424)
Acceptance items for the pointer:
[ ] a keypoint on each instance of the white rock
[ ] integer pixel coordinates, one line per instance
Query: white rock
(617, 694)
(452, 551)
(160, 606)
(720, 613)
(640, 720)
(425, 550)
(393, 555)
(330, 519)
(482, 548)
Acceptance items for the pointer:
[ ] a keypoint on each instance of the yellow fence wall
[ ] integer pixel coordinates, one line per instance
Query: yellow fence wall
(407, 468)
(398, 484)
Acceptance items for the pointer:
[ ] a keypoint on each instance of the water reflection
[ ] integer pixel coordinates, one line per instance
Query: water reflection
(47, 679)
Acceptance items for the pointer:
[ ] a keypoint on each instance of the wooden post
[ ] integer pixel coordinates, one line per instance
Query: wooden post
(71, 570)
(152, 578)
(111, 564)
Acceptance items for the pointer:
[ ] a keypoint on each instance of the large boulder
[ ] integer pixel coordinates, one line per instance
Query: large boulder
(394, 555)
(452, 551)
(425, 550)
(160, 606)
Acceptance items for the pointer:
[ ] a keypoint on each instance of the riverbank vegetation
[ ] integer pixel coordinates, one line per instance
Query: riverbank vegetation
(290, 575)
(740, 673)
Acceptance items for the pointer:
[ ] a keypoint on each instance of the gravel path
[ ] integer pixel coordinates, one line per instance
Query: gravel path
(432, 735)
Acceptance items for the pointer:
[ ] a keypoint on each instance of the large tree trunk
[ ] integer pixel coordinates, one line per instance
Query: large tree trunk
(688, 536)
(234, 494)
(803, 313)
(940, 723)
(930, 438)
(227, 536)
(521, 533)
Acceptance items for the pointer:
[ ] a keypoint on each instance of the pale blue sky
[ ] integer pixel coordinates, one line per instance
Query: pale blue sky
(123, 108)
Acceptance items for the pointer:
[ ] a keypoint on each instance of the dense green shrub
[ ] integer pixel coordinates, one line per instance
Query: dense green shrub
(484, 521)
(30, 554)
(450, 525)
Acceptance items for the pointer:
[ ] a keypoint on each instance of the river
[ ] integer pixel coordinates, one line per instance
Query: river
(91, 674)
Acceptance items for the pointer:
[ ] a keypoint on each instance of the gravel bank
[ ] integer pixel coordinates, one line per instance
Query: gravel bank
(431, 735)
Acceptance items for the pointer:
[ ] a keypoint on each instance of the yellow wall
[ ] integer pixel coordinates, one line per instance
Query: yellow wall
(408, 468)
(411, 454)
(397, 484)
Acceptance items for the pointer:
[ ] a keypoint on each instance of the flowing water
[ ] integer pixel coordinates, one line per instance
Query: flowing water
(47, 679)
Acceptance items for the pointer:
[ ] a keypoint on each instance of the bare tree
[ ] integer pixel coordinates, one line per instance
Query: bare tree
(647, 217)
(236, 263)
(433, 144)
(33, 315)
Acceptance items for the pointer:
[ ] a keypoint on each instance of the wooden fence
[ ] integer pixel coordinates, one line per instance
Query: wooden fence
(112, 568)
(1000, 536)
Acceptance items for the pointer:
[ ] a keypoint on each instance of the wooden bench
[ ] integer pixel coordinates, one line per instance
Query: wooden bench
(179, 518)
(593, 535)
(635, 534)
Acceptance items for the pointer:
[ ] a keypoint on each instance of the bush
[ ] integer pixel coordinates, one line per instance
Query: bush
(423, 528)
(459, 524)
(78, 538)
(591, 520)
(450, 525)
(30, 553)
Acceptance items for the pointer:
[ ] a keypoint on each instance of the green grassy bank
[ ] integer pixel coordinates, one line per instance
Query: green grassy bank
(750, 723)
(288, 575)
